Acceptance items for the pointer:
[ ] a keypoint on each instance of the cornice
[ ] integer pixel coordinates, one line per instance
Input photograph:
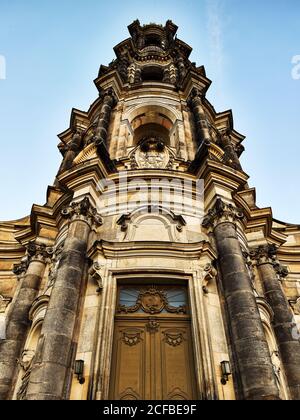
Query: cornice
(86, 173)
(259, 219)
(151, 249)
(212, 171)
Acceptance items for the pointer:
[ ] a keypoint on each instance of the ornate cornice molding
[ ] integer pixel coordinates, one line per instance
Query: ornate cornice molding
(151, 249)
(222, 213)
(84, 211)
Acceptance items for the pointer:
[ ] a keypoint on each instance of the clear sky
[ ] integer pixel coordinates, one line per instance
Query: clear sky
(53, 50)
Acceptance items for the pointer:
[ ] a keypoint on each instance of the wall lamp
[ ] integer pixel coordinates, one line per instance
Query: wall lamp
(78, 370)
(226, 371)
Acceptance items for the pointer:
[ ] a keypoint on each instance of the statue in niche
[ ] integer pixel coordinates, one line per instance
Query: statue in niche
(26, 365)
(152, 153)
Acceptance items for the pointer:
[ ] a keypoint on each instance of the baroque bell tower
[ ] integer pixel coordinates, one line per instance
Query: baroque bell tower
(150, 272)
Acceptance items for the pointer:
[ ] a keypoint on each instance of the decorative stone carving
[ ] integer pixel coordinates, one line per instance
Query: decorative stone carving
(26, 364)
(53, 268)
(4, 302)
(95, 273)
(297, 307)
(21, 268)
(281, 270)
(221, 213)
(152, 301)
(266, 254)
(152, 153)
(295, 304)
(34, 251)
(40, 252)
(209, 274)
(83, 210)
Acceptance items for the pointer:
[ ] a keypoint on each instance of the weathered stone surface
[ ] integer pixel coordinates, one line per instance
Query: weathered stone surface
(53, 361)
(248, 339)
(284, 326)
(17, 325)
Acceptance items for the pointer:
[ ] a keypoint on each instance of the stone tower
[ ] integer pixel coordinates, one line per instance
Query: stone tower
(150, 272)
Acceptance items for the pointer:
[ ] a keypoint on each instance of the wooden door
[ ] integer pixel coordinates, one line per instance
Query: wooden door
(152, 351)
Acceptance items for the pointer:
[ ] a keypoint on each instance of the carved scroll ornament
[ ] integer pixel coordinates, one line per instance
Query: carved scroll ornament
(152, 301)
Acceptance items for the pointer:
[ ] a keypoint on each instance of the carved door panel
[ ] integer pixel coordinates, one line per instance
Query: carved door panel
(176, 361)
(130, 361)
(152, 352)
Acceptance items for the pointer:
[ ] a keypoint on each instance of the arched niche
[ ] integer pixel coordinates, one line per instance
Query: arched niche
(267, 315)
(151, 130)
(164, 119)
(154, 224)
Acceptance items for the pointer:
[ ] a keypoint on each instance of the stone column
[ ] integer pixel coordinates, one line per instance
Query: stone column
(250, 348)
(55, 350)
(17, 319)
(70, 151)
(230, 157)
(196, 104)
(109, 100)
(284, 324)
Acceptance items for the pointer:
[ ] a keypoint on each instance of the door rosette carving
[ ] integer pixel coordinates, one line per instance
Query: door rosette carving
(152, 325)
(174, 339)
(131, 337)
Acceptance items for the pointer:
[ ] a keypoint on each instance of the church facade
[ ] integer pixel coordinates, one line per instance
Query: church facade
(150, 272)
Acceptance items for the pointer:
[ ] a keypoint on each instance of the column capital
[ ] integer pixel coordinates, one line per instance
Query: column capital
(267, 254)
(264, 254)
(34, 252)
(83, 210)
(222, 213)
(39, 252)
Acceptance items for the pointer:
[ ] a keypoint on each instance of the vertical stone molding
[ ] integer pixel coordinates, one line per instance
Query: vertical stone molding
(284, 325)
(196, 103)
(248, 341)
(30, 273)
(109, 101)
(52, 363)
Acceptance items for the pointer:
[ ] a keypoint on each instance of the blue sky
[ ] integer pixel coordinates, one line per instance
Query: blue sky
(53, 50)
